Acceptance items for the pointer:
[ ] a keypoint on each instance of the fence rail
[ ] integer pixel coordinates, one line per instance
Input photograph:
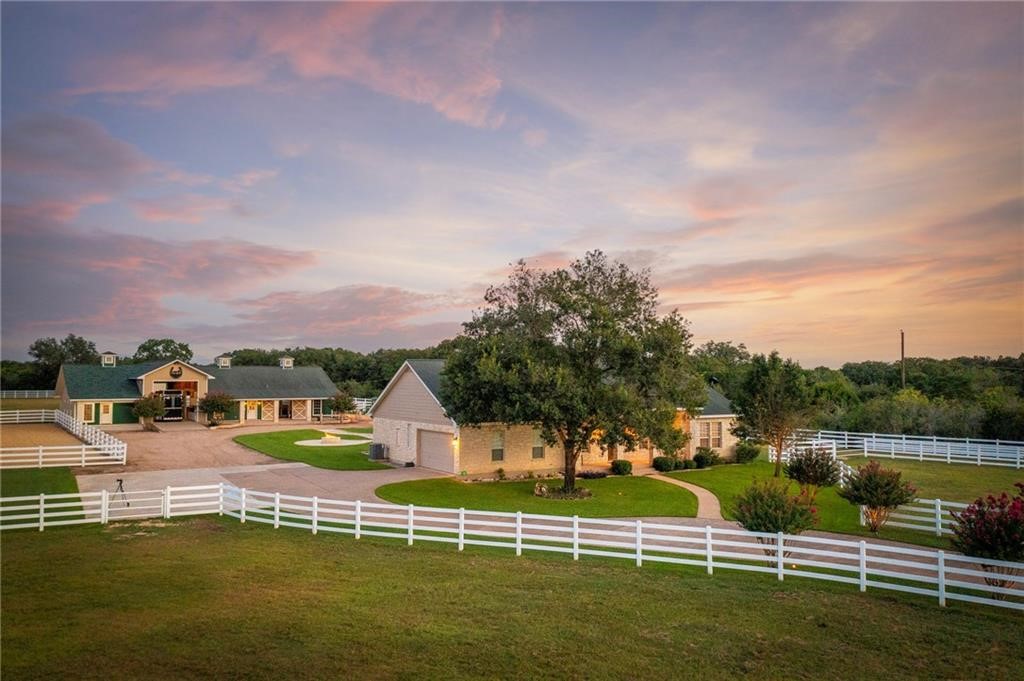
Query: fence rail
(926, 572)
(363, 404)
(25, 394)
(99, 448)
(927, 515)
(926, 448)
(799, 446)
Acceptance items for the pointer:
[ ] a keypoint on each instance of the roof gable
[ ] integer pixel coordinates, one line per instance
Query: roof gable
(426, 371)
(717, 404)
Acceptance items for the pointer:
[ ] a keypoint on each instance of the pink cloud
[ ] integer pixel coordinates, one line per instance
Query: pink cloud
(187, 208)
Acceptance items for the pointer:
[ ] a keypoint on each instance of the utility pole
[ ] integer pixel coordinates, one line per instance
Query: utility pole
(903, 362)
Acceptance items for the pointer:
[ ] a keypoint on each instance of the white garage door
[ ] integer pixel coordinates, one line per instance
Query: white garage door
(435, 451)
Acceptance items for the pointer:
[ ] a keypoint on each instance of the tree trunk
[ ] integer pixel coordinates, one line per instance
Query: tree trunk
(569, 474)
(779, 444)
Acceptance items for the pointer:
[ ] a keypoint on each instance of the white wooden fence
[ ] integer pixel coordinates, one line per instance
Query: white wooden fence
(845, 470)
(933, 573)
(926, 448)
(25, 394)
(927, 515)
(363, 404)
(98, 448)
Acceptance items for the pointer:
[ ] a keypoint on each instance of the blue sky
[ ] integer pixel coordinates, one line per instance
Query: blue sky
(803, 177)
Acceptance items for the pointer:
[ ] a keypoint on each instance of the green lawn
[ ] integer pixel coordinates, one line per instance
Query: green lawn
(22, 482)
(281, 445)
(835, 514)
(613, 497)
(209, 598)
(950, 481)
(358, 429)
(10, 404)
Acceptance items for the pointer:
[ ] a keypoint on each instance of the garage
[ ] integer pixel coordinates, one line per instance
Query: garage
(434, 450)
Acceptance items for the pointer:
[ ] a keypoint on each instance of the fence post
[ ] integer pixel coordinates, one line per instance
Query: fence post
(639, 544)
(780, 567)
(410, 519)
(979, 454)
(860, 515)
(938, 517)
(941, 571)
(220, 498)
(707, 545)
(519, 533)
(315, 513)
(42, 511)
(277, 510)
(104, 506)
(949, 451)
(359, 518)
(920, 451)
(575, 537)
(865, 443)
(242, 514)
(462, 528)
(863, 565)
(167, 502)
(83, 453)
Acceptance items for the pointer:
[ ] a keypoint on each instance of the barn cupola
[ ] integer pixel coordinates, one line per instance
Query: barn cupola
(286, 362)
(108, 359)
(223, 361)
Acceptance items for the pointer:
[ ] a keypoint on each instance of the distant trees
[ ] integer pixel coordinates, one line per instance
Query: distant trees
(49, 354)
(162, 349)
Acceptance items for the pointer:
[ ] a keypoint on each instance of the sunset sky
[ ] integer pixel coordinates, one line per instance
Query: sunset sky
(810, 178)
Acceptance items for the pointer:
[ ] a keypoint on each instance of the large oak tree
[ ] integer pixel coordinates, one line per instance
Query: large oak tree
(580, 353)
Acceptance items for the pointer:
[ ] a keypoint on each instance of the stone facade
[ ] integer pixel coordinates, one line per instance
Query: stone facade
(401, 436)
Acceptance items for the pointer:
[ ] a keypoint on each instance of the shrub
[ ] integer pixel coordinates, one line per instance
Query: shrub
(592, 475)
(706, 457)
(665, 464)
(880, 490)
(680, 464)
(148, 408)
(746, 451)
(215, 403)
(812, 468)
(993, 527)
(622, 467)
(689, 464)
(342, 403)
(500, 473)
(767, 506)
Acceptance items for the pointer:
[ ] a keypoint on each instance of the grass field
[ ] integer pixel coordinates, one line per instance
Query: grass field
(9, 404)
(613, 497)
(20, 482)
(950, 481)
(215, 599)
(281, 445)
(958, 483)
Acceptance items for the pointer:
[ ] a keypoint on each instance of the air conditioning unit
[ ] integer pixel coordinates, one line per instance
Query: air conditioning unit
(378, 451)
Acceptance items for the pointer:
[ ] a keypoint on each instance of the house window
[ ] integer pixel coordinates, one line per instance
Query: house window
(87, 412)
(716, 435)
(105, 408)
(498, 446)
(538, 445)
(705, 434)
(318, 407)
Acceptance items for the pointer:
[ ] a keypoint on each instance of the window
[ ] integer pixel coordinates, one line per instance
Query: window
(87, 412)
(538, 445)
(318, 406)
(716, 435)
(705, 434)
(105, 408)
(498, 446)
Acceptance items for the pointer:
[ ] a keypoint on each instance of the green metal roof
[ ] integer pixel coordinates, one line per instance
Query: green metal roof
(93, 381)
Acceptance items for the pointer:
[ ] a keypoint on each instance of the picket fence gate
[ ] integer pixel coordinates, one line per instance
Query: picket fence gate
(926, 572)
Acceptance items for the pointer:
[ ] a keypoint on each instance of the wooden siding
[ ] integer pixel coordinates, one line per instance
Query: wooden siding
(409, 400)
(164, 375)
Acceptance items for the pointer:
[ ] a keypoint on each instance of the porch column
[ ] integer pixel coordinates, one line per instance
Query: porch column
(309, 410)
(241, 412)
(277, 409)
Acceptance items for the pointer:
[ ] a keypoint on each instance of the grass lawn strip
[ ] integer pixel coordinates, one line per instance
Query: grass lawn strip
(613, 497)
(20, 482)
(950, 481)
(281, 445)
(251, 602)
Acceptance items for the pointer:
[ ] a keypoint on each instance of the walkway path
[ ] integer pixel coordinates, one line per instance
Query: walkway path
(708, 507)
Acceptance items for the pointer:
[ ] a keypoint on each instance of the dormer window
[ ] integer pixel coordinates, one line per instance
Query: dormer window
(224, 362)
(287, 362)
(108, 359)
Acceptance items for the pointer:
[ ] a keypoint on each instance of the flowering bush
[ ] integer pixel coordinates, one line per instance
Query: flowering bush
(879, 490)
(812, 468)
(767, 506)
(993, 527)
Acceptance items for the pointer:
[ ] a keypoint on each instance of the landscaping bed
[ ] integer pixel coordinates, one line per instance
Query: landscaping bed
(280, 444)
(246, 601)
(612, 497)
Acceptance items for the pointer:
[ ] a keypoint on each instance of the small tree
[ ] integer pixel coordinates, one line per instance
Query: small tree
(880, 490)
(342, 403)
(773, 402)
(993, 527)
(767, 506)
(148, 408)
(813, 468)
(215, 403)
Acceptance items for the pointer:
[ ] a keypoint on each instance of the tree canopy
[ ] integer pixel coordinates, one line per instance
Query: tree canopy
(49, 354)
(579, 352)
(162, 349)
